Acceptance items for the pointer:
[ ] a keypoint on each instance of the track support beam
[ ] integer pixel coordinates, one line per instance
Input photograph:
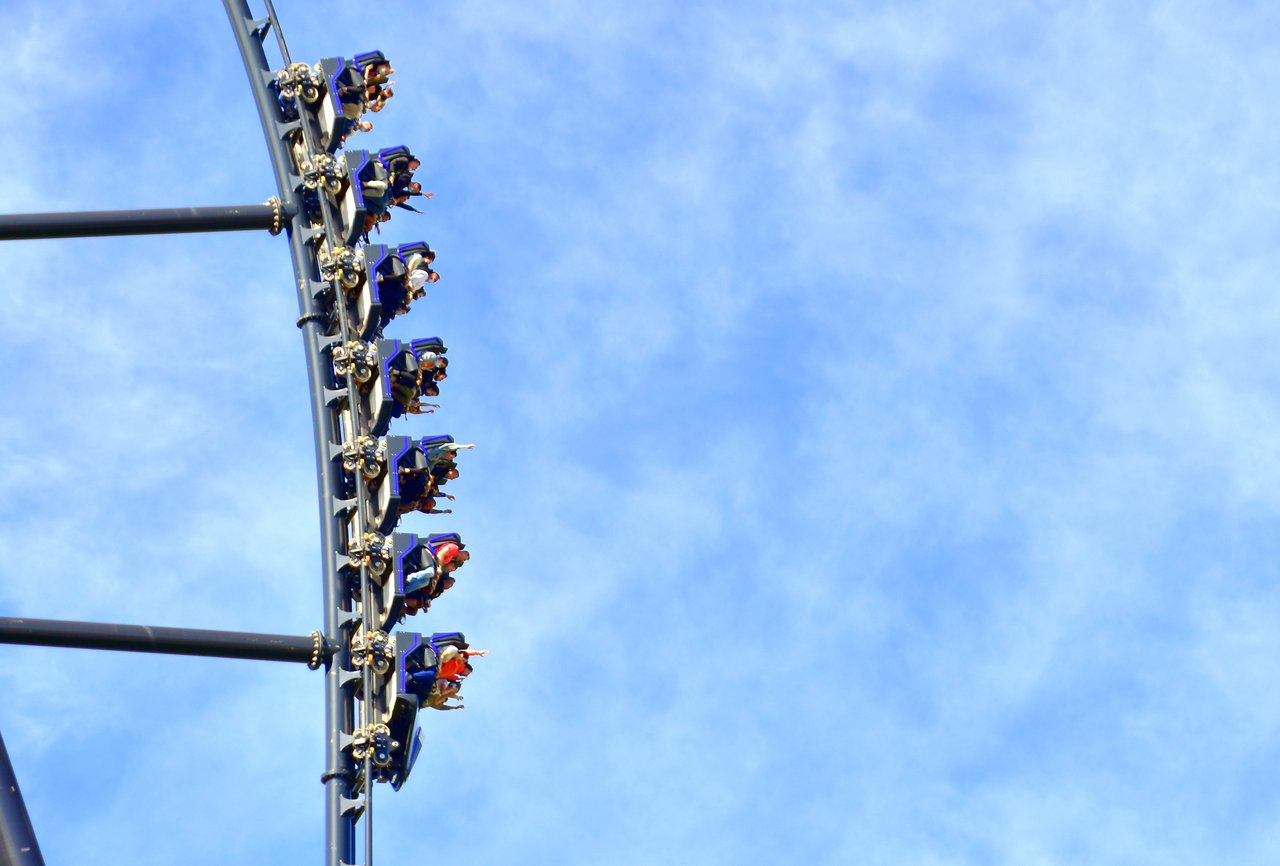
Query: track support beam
(152, 221)
(310, 650)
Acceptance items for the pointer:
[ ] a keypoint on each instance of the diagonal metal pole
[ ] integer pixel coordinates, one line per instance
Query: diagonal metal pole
(18, 846)
(309, 650)
(152, 221)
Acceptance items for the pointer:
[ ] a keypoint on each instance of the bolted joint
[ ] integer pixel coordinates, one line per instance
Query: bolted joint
(299, 79)
(322, 171)
(373, 550)
(356, 358)
(372, 649)
(367, 454)
(341, 265)
(374, 741)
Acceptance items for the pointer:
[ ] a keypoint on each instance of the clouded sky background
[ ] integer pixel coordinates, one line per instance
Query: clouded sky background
(876, 408)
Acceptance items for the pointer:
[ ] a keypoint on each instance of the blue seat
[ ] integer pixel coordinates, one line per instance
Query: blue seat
(396, 159)
(369, 58)
(445, 538)
(428, 350)
(422, 248)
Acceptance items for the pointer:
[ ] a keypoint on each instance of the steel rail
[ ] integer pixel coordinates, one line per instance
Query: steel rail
(18, 845)
(340, 770)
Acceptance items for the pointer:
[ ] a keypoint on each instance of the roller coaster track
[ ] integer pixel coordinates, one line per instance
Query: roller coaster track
(356, 682)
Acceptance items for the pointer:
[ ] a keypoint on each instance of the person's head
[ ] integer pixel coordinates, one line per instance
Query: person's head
(431, 390)
(414, 163)
(386, 217)
(429, 255)
(440, 375)
(467, 670)
(433, 277)
(451, 474)
(463, 555)
(447, 581)
(417, 187)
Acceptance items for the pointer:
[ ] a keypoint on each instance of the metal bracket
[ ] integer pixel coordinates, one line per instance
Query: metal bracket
(317, 650)
(341, 265)
(367, 454)
(356, 358)
(373, 649)
(322, 171)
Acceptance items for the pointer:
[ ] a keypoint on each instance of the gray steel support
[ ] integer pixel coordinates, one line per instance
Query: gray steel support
(340, 769)
(152, 221)
(156, 639)
(18, 846)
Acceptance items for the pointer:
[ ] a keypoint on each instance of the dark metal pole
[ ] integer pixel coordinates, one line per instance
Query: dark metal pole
(157, 639)
(340, 768)
(152, 221)
(18, 845)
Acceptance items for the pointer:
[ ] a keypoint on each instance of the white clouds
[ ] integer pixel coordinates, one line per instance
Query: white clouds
(874, 410)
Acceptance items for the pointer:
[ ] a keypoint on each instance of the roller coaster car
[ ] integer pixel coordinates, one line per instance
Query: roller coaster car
(406, 555)
(405, 481)
(396, 388)
(364, 304)
(411, 685)
(418, 660)
(366, 193)
(341, 103)
(416, 558)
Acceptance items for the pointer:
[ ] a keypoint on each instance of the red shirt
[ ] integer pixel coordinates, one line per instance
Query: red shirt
(445, 553)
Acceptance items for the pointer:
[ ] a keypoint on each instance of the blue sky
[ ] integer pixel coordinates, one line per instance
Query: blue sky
(875, 407)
